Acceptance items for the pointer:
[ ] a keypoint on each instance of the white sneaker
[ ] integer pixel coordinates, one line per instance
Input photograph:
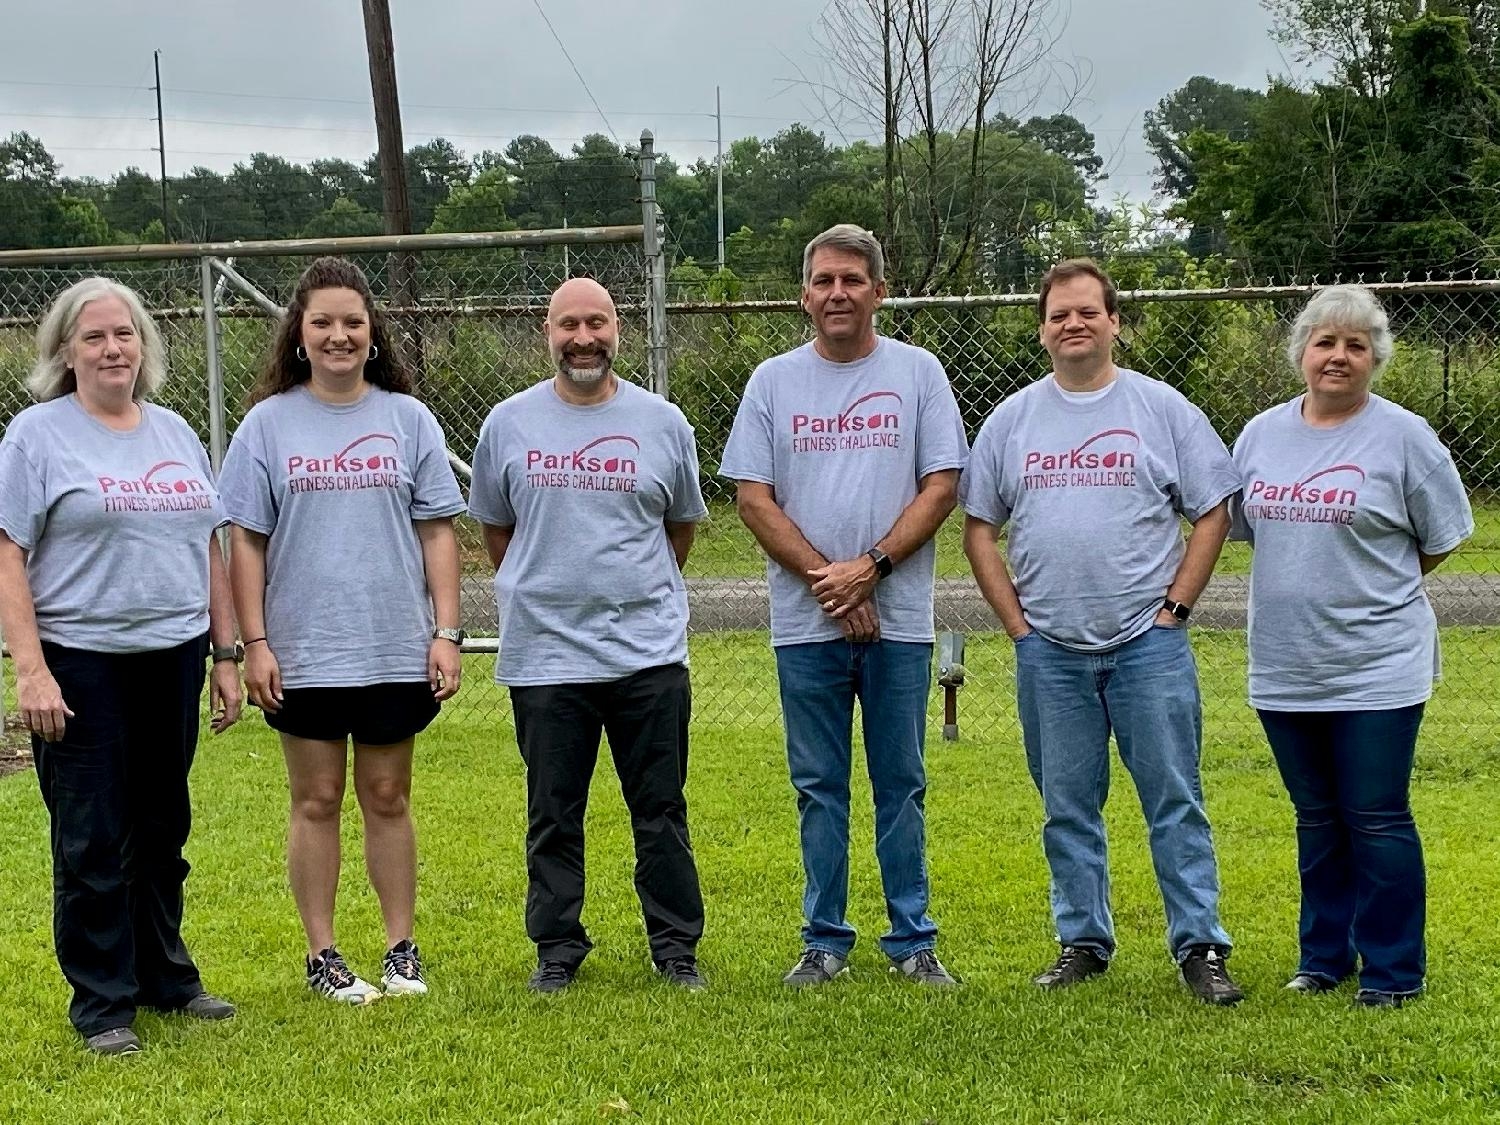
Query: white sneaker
(327, 973)
(403, 970)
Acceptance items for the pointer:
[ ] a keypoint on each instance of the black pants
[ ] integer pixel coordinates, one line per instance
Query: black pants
(116, 787)
(645, 717)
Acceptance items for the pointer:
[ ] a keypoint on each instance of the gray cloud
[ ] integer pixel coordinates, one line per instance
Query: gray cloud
(292, 79)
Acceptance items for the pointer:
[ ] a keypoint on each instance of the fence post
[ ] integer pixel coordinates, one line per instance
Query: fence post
(216, 420)
(656, 268)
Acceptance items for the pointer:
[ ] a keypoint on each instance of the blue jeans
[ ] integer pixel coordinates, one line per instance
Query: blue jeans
(1364, 887)
(819, 684)
(1146, 692)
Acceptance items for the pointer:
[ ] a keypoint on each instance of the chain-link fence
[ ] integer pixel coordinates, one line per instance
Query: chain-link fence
(467, 311)
(470, 312)
(1225, 350)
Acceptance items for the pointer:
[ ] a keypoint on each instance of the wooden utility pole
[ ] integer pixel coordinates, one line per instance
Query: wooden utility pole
(382, 53)
(161, 143)
(401, 269)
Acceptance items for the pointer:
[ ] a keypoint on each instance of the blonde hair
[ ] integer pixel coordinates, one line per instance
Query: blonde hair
(52, 376)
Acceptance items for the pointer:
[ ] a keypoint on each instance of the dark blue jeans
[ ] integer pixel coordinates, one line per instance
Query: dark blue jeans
(819, 684)
(1364, 887)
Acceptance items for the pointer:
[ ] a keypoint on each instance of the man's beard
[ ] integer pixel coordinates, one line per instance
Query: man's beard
(585, 376)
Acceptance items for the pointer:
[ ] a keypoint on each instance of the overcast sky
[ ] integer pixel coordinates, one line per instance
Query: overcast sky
(291, 77)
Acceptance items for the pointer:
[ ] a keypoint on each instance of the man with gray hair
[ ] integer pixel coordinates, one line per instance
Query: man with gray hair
(846, 453)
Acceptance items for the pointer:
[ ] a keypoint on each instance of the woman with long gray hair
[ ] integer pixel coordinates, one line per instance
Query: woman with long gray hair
(112, 593)
(1348, 501)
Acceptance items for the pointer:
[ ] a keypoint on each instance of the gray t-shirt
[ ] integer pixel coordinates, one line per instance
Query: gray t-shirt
(1094, 491)
(1338, 616)
(336, 488)
(589, 590)
(116, 525)
(844, 445)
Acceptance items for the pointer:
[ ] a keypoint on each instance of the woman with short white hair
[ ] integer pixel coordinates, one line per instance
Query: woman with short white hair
(112, 592)
(1348, 500)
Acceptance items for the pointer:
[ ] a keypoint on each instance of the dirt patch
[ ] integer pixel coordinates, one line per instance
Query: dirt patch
(15, 747)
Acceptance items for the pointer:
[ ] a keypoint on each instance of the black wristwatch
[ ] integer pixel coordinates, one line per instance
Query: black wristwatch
(882, 562)
(235, 652)
(457, 636)
(1177, 609)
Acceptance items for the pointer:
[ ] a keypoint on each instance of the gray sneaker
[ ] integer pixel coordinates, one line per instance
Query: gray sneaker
(924, 967)
(206, 1006)
(115, 1041)
(814, 967)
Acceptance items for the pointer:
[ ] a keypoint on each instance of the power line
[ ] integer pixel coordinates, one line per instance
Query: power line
(542, 12)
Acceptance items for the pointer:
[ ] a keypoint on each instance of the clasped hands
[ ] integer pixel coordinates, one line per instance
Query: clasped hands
(842, 590)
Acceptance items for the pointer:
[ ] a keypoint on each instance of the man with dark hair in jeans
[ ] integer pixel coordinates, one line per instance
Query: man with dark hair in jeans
(587, 487)
(1094, 468)
(846, 453)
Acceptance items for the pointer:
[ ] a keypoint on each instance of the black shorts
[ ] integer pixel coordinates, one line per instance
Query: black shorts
(373, 715)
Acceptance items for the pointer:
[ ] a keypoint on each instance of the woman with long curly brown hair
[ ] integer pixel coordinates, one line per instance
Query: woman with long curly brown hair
(343, 561)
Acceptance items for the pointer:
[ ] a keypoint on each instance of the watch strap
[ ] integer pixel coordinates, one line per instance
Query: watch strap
(1177, 609)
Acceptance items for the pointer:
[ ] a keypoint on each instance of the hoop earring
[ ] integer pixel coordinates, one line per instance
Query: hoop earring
(301, 353)
(374, 351)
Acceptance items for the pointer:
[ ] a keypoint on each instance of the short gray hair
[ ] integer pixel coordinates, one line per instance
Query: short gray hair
(852, 239)
(52, 377)
(1343, 306)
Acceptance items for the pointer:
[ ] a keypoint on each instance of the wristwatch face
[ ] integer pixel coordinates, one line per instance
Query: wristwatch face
(455, 635)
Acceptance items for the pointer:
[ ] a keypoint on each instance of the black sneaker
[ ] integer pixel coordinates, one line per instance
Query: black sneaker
(552, 976)
(815, 966)
(1309, 984)
(1074, 965)
(401, 970)
(1205, 971)
(329, 976)
(683, 972)
(924, 967)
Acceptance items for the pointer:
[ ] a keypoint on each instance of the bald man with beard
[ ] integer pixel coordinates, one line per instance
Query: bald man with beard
(587, 488)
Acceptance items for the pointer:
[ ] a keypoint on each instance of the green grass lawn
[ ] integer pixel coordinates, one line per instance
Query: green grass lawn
(1131, 1047)
(725, 549)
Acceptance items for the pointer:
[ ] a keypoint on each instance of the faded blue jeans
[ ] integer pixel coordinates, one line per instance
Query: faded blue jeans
(819, 684)
(1146, 692)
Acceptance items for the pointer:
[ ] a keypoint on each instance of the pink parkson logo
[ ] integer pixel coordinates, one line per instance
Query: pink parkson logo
(878, 410)
(345, 460)
(606, 464)
(163, 479)
(364, 463)
(168, 486)
(602, 455)
(1342, 490)
(1096, 452)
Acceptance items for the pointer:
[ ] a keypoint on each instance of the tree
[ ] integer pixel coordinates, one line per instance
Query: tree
(920, 74)
(1334, 181)
(1352, 36)
(343, 218)
(479, 206)
(1068, 137)
(28, 193)
(282, 196)
(1200, 103)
